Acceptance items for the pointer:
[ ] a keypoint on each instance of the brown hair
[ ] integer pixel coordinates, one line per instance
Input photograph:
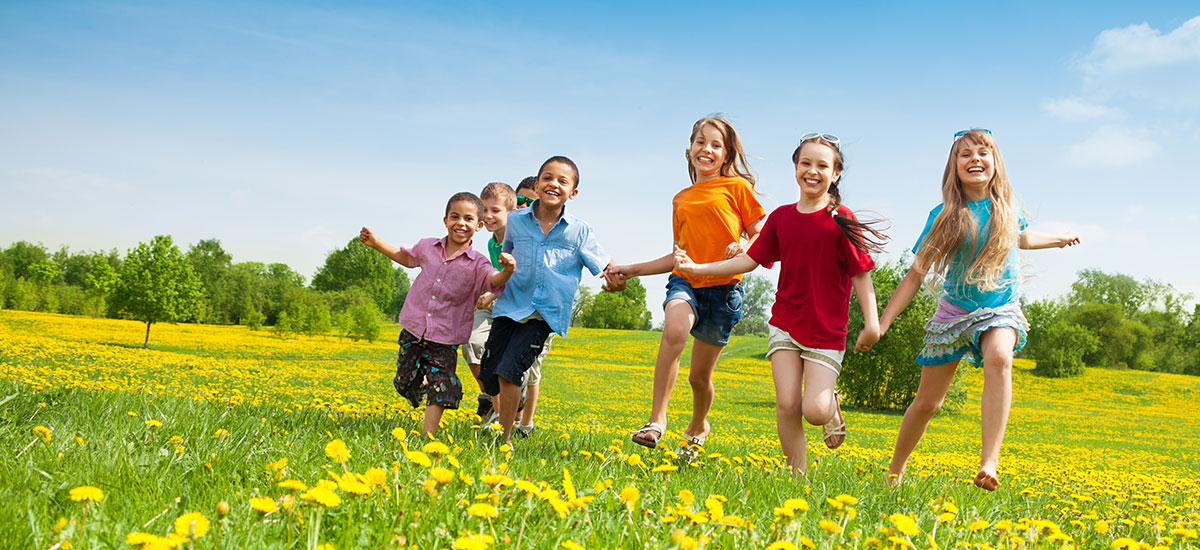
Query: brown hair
(500, 190)
(862, 234)
(465, 196)
(735, 157)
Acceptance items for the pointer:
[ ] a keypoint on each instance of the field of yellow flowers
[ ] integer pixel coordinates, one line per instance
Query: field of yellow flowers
(220, 437)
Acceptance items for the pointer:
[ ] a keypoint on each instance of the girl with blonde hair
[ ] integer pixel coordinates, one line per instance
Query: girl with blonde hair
(971, 239)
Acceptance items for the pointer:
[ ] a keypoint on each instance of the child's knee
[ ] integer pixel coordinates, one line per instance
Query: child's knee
(926, 406)
(816, 413)
(789, 406)
(675, 336)
(700, 380)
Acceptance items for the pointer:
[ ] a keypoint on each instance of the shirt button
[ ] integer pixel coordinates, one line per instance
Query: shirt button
(429, 315)
(439, 280)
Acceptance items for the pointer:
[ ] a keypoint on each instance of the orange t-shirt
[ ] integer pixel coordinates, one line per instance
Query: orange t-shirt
(707, 216)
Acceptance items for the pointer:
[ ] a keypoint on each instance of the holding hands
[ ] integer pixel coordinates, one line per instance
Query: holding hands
(614, 278)
(685, 263)
(734, 250)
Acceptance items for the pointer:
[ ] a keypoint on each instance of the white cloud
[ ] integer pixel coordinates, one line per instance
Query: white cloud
(1073, 108)
(1113, 146)
(1142, 62)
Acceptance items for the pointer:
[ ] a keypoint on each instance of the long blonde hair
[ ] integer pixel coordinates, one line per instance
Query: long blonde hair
(954, 228)
(735, 157)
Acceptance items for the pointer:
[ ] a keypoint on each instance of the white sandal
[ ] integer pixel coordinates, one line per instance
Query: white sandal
(639, 435)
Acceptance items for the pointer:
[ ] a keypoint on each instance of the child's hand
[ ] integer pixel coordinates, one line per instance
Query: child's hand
(683, 262)
(367, 237)
(507, 261)
(734, 250)
(486, 300)
(867, 338)
(1068, 239)
(614, 280)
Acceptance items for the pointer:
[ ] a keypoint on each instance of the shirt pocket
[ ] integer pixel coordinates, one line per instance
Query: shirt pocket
(562, 258)
(524, 252)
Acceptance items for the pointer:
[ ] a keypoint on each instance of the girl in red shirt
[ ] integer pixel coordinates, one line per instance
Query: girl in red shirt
(823, 251)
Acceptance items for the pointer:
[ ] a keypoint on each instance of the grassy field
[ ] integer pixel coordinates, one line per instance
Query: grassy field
(219, 437)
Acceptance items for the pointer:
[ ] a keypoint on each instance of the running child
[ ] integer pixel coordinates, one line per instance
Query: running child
(709, 219)
(823, 252)
(552, 248)
(971, 239)
(531, 386)
(437, 314)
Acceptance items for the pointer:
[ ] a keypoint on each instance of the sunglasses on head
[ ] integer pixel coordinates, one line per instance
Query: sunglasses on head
(962, 133)
(827, 137)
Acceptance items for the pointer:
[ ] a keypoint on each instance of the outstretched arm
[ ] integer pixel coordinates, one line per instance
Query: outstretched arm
(865, 290)
(656, 266)
(735, 248)
(903, 295)
(367, 237)
(502, 276)
(733, 266)
(1033, 240)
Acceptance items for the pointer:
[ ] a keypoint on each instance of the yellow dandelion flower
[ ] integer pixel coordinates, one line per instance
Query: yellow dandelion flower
(132, 415)
(322, 496)
(782, 545)
(665, 468)
(978, 525)
(264, 505)
(473, 542)
(441, 475)
(153, 423)
(351, 485)
(399, 433)
(42, 432)
(192, 525)
(1126, 542)
(139, 538)
(635, 460)
(904, 524)
(796, 504)
(336, 451)
(375, 477)
(222, 432)
(86, 493)
(419, 458)
(830, 526)
(629, 495)
(572, 545)
(436, 448)
(807, 542)
(293, 485)
(483, 510)
(686, 497)
(846, 499)
(1183, 532)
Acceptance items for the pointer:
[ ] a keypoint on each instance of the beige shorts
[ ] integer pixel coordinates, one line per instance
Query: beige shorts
(472, 351)
(533, 376)
(828, 358)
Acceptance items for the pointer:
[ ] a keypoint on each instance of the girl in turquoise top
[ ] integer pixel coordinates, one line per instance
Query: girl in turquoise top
(971, 239)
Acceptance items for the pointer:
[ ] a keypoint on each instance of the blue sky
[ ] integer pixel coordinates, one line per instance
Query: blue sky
(280, 129)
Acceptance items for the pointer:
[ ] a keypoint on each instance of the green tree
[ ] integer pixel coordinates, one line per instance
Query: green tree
(243, 293)
(1122, 341)
(211, 263)
(20, 255)
(1065, 346)
(1097, 287)
(1041, 315)
(583, 300)
(157, 284)
(356, 265)
(756, 307)
(624, 310)
(887, 376)
(281, 282)
(100, 283)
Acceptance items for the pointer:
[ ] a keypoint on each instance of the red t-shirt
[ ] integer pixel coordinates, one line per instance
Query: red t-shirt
(813, 300)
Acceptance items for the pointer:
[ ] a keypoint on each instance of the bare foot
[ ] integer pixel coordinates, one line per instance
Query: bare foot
(891, 481)
(986, 480)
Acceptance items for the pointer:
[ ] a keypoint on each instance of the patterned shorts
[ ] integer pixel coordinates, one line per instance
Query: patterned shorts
(427, 369)
(953, 332)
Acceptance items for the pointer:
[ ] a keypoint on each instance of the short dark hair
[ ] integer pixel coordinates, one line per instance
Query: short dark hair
(465, 196)
(528, 183)
(564, 160)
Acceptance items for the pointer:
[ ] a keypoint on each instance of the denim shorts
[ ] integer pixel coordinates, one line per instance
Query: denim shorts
(717, 308)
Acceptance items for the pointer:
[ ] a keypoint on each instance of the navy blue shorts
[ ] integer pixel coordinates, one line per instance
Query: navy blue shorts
(511, 349)
(717, 308)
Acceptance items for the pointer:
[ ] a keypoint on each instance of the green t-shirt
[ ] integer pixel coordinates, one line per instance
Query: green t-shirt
(494, 249)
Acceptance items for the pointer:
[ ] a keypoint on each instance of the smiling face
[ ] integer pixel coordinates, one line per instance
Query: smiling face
(816, 169)
(462, 221)
(707, 152)
(556, 184)
(495, 213)
(975, 166)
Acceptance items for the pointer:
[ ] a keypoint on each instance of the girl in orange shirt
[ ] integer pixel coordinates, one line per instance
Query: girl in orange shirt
(709, 218)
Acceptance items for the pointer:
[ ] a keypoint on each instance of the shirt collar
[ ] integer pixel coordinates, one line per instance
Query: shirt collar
(470, 251)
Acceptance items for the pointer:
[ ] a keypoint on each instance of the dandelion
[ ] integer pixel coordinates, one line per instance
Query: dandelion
(42, 432)
(351, 485)
(630, 495)
(399, 433)
(419, 458)
(435, 448)
(293, 485)
(904, 524)
(86, 493)
(264, 505)
(336, 451)
(483, 510)
(572, 545)
(322, 496)
(152, 424)
(665, 468)
(474, 542)
(221, 432)
(441, 475)
(796, 504)
(132, 415)
(830, 526)
(978, 525)
(782, 545)
(686, 497)
(192, 525)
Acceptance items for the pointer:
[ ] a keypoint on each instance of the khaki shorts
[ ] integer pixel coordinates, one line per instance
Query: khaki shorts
(472, 351)
(828, 358)
(533, 376)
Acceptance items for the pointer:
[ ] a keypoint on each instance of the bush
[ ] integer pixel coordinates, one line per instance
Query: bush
(365, 322)
(1066, 346)
(887, 377)
(1041, 315)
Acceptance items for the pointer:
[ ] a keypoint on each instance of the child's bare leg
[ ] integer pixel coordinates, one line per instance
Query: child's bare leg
(787, 370)
(677, 322)
(997, 345)
(819, 381)
(935, 382)
(531, 395)
(506, 405)
(433, 417)
(704, 360)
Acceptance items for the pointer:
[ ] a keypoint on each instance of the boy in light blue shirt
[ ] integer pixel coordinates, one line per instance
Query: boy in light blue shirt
(551, 248)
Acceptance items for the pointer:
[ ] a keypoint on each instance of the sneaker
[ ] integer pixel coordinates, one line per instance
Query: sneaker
(523, 431)
(485, 406)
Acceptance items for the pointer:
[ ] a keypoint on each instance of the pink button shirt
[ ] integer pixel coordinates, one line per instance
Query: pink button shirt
(441, 302)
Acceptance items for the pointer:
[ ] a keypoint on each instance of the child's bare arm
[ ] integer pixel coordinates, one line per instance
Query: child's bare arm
(903, 294)
(732, 266)
(367, 237)
(663, 264)
(865, 290)
(752, 231)
(1034, 240)
(614, 279)
(501, 277)
(486, 300)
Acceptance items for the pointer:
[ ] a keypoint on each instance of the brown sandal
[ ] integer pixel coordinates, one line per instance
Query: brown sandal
(834, 431)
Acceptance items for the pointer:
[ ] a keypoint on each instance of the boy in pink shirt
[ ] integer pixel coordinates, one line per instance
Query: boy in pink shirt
(438, 311)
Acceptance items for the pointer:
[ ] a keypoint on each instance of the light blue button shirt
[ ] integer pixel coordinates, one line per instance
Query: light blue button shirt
(549, 267)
